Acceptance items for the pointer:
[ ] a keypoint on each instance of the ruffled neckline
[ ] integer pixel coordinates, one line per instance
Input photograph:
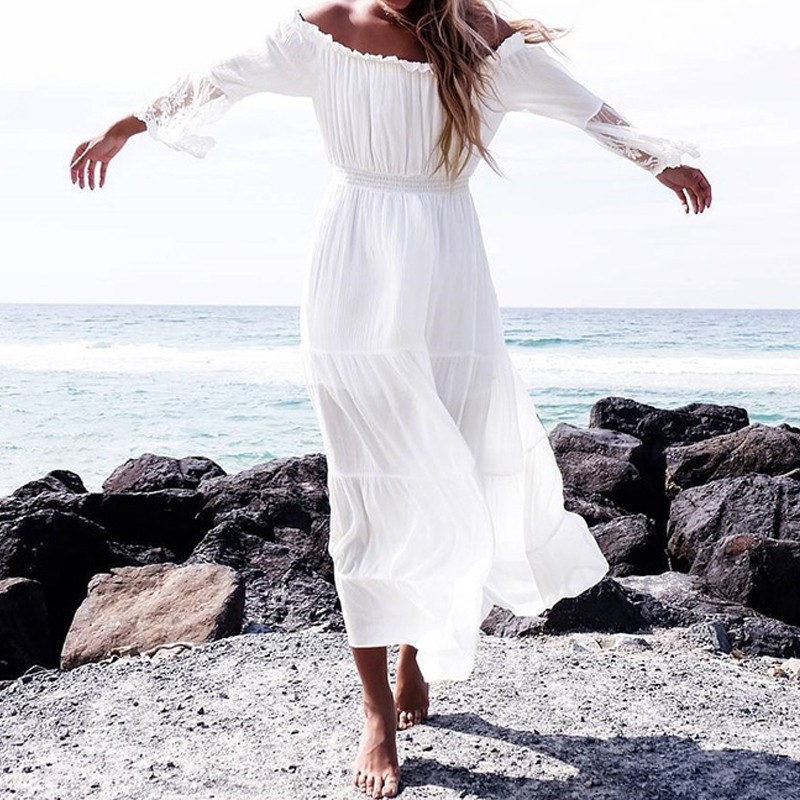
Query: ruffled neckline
(513, 42)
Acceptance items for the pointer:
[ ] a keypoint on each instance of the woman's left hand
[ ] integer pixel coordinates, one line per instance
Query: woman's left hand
(685, 180)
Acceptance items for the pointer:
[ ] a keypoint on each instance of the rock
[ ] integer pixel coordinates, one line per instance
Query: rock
(756, 635)
(670, 598)
(659, 428)
(284, 591)
(758, 572)
(133, 609)
(595, 510)
(719, 637)
(501, 622)
(281, 493)
(150, 472)
(136, 524)
(675, 598)
(605, 464)
(283, 501)
(624, 641)
(631, 545)
(758, 448)
(606, 606)
(756, 504)
(59, 550)
(58, 480)
(25, 637)
(139, 522)
(312, 543)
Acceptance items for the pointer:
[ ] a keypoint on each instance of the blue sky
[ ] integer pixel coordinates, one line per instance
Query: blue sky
(571, 225)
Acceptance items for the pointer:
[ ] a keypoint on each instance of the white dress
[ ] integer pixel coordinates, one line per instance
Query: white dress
(445, 495)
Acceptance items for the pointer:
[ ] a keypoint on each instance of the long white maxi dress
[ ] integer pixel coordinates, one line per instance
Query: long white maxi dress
(445, 495)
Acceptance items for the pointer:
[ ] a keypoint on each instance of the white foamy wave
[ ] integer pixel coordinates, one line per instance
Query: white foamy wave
(712, 371)
(255, 364)
(270, 364)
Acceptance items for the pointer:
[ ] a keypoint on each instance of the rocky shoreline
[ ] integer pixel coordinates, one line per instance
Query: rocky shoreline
(178, 633)
(696, 509)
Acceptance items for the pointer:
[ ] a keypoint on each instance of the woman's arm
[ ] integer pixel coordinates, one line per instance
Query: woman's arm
(532, 80)
(280, 60)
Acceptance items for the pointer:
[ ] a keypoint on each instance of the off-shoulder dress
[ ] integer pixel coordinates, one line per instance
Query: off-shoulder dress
(445, 495)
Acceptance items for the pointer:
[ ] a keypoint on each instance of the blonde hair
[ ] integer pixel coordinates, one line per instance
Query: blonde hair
(450, 33)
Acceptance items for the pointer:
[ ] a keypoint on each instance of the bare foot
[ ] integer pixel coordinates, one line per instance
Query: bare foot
(375, 769)
(411, 694)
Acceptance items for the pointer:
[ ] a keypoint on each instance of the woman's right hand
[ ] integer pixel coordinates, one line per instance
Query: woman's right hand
(101, 150)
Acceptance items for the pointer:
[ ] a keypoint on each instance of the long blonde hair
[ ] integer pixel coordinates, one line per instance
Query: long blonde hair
(450, 33)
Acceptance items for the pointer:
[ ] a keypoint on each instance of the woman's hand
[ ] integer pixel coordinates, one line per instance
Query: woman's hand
(87, 155)
(102, 149)
(685, 180)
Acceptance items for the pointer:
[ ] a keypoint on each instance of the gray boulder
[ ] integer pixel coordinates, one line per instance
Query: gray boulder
(756, 504)
(763, 449)
(150, 472)
(284, 590)
(661, 427)
(632, 545)
(758, 572)
(604, 465)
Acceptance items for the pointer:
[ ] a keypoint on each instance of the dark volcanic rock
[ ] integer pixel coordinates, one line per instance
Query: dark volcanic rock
(757, 448)
(755, 504)
(150, 472)
(142, 522)
(282, 493)
(62, 552)
(25, 637)
(632, 546)
(283, 590)
(693, 422)
(595, 510)
(57, 480)
(604, 464)
(58, 487)
(606, 606)
(759, 572)
(649, 601)
(284, 501)
(675, 598)
(142, 527)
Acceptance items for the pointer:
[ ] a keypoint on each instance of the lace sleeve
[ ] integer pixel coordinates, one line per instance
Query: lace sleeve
(532, 80)
(280, 62)
(653, 153)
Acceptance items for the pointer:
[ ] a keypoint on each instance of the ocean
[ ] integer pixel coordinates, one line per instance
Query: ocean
(85, 387)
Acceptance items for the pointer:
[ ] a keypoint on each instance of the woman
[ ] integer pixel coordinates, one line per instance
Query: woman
(445, 494)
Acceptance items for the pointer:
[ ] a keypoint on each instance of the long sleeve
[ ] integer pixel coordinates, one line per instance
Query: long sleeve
(280, 61)
(532, 80)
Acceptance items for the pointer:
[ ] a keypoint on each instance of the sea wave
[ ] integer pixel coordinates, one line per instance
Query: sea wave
(273, 364)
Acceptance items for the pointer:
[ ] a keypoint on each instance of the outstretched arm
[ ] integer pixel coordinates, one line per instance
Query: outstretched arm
(532, 80)
(280, 61)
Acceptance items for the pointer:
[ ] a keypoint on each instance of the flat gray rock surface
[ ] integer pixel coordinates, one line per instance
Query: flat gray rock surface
(263, 716)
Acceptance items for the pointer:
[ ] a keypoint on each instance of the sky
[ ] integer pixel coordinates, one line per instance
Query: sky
(570, 225)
